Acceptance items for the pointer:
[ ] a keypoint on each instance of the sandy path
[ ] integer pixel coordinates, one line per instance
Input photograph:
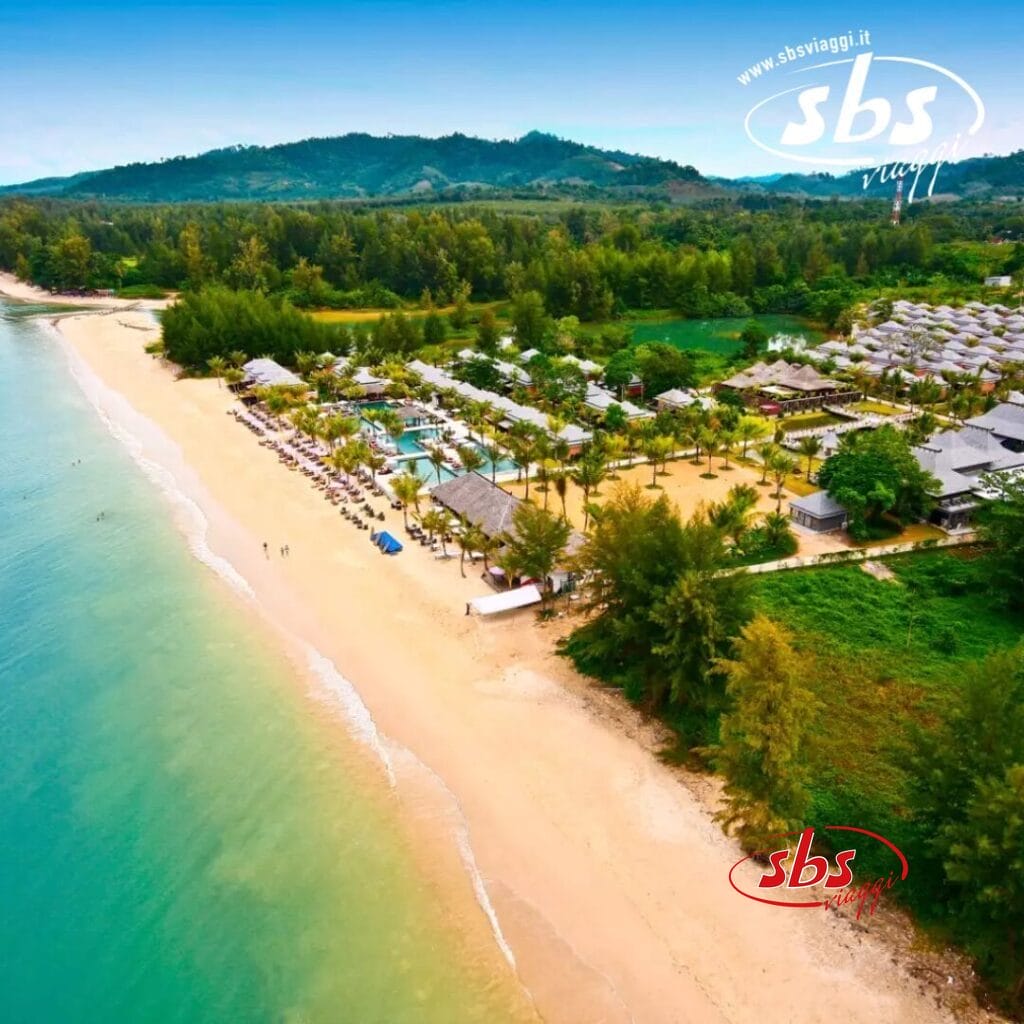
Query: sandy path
(609, 879)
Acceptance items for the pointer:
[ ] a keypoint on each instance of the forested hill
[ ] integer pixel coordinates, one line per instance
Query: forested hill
(356, 165)
(983, 177)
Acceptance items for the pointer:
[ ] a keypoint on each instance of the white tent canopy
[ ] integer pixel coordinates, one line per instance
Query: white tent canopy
(505, 601)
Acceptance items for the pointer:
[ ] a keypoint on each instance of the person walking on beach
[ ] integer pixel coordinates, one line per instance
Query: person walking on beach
(287, 551)
(266, 550)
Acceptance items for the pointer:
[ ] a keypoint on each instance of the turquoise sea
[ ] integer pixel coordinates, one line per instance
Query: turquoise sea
(184, 838)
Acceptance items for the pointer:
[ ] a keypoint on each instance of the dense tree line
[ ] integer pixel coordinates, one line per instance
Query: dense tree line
(212, 323)
(722, 258)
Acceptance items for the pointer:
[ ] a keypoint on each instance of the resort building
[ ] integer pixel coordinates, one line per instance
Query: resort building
(473, 498)
(510, 412)
(268, 373)
(782, 387)
(938, 344)
(1005, 422)
(818, 512)
(598, 400)
(677, 399)
(371, 384)
(958, 459)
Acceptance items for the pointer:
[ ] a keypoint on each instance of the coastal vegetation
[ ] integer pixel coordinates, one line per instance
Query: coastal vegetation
(829, 695)
(729, 258)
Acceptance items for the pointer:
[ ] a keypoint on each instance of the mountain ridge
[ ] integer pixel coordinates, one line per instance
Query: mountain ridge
(359, 166)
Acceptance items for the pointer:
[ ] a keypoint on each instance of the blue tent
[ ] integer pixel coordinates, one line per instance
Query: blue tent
(387, 543)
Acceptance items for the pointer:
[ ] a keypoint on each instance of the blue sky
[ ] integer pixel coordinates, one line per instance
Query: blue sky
(91, 84)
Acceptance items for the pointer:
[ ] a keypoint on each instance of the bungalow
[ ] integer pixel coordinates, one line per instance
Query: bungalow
(371, 384)
(999, 281)
(1005, 422)
(677, 399)
(598, 400)
(958, 459)
(268, 373)
(818, 512)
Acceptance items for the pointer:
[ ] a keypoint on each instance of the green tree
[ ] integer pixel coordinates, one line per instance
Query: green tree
(406, 488)
(764, 733)
(754, 338)
(875, 472)
(537, 543)
(529, 320)
(487, 334)
(1000, 523)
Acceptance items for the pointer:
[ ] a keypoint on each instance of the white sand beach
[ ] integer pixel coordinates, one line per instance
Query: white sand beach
(606, 873)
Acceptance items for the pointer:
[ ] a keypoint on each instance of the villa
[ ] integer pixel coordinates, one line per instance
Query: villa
(677, 399)
(937, 344)
(958, 459)
(371, 385)
(819, 512)
(268, 373)
(598, 400)
(1005, 422)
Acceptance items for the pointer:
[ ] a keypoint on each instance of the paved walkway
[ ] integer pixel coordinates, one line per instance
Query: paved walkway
(858, 554)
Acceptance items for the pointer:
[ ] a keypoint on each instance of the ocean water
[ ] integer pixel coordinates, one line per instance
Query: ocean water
(182, 837)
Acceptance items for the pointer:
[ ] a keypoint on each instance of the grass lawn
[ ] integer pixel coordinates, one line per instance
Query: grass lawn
(867, 406)
(807, 420)
(881, 656)
(358, 316)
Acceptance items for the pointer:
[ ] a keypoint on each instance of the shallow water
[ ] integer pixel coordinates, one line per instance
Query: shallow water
(185, 836)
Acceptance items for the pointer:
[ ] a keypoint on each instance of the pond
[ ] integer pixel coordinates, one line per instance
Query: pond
(722, 334)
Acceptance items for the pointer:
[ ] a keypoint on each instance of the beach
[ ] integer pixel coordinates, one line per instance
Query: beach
(601, 875)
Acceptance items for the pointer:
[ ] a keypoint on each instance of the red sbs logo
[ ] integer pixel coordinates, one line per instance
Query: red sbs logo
(793, 870)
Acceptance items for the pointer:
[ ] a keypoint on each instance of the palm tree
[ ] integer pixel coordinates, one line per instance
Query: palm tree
(809, 447)
(615, 447)
(587, 475)
(374, 462)
(217, 367)
(709, 438)
(494, 453)
(233, 376)
(469, 541)
(436, 457)
(749, 430)
(470, 458)
(781, 465)
(237, 358)
(339, 461)
(561, 481)
(392, 424)
(487, 545)
(728, 440)
(305, 362)
(406, 488)
(766, 451)
(651, 452)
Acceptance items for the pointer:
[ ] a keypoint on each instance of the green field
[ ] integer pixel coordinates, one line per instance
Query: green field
(720, 335)
(881, 656)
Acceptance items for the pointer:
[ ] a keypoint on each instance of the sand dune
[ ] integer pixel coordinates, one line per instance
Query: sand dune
(608, 877)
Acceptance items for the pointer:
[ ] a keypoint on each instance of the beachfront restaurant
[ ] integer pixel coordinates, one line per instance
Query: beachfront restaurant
(266, 373)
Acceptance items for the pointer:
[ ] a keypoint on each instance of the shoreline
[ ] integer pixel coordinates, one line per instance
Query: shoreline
(21, 291)
(607, 877)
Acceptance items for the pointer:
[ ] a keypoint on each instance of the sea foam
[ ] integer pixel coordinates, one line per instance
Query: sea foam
(128, 426)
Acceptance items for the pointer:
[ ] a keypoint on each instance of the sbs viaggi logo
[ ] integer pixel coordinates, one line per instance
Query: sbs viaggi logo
(900, 117)
(796, 877)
